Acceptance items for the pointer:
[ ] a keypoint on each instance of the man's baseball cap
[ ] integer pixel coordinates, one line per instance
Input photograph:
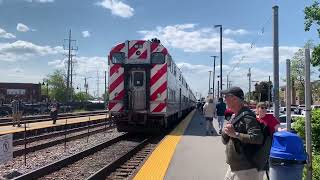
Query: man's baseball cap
(236, 91)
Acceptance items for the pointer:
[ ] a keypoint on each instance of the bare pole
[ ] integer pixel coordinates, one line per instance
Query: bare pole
(69, 66)
(308, 113)
(249, 76)
(209, 82)
(288, 96)
(214, 73)
(69, 58)
(275, 61)
(105, 88)
(269, 86)
(220, 26)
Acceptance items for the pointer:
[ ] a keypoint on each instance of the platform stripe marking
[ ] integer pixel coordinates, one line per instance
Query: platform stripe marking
(157, 164)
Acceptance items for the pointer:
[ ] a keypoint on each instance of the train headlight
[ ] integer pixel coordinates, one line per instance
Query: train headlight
(158, 95)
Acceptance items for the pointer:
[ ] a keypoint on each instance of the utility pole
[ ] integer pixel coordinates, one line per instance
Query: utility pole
(249, 76)
(105, 88)
(227, 81)
(308, 113)
(275, 62)
(70, 49)
(218, 90)
(98, 83)
(209, 82)
(220, 26)
(269, 89)
(214, 73)
(288, 96)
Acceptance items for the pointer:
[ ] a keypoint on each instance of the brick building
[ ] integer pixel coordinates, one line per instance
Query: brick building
(27, 92)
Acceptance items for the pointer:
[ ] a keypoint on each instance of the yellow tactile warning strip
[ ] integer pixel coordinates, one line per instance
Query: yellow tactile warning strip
(45, 124)
(157, 164)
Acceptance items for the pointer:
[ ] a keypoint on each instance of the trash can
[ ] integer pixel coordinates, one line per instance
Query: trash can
(287, 156)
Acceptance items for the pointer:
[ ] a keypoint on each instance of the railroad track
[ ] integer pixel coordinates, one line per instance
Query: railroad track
(86, 163)
(41, 118)
(60, 137)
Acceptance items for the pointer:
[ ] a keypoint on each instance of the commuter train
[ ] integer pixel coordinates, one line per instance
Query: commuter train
(147, 92)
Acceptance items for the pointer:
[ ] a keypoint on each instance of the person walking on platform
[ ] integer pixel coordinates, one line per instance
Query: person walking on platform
(16, 111)
(221, 108)
(241, 133)
(209, 112)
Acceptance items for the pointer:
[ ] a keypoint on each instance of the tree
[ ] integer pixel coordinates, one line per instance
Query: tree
(261, 91)
(82, 97)
(57, 84)
(312, 16)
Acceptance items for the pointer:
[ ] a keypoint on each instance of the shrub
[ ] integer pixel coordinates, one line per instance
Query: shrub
(299, 126)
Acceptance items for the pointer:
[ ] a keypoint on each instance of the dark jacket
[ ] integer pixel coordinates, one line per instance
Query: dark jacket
(250, 133)
(221, 108)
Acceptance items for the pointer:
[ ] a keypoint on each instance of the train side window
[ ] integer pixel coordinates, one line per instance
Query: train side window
(175, 70)
(118, 57)
(157, 58)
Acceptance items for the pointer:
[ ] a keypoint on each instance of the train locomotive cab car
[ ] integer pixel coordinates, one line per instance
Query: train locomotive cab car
(147, 92)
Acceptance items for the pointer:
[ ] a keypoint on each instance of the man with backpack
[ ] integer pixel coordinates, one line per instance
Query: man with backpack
(244, 140)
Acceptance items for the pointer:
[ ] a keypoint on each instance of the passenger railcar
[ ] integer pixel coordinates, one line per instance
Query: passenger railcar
(147, 91)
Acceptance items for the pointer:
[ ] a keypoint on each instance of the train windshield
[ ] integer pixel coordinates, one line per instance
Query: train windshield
(138, 78)
(118, 58)
(157, 58)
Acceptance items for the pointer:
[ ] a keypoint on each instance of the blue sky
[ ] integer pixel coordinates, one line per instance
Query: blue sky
(32, 34)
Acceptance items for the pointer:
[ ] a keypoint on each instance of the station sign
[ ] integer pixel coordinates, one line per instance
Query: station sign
(6, 150)
(16, 91)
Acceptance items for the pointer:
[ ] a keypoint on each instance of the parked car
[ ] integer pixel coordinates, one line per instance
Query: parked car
(283, 120)
(299, 109)
(313, 107)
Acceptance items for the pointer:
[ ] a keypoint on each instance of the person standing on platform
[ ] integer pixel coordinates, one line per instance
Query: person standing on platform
(241, 132)
(221, 108)
(209, 112)
(267, 119)
(16, 111)
(54, 111)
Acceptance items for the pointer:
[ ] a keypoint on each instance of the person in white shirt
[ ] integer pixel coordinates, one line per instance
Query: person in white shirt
(209, 111)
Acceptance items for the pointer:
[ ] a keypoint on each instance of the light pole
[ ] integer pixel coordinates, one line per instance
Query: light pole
(214, 72)
(220, 26)
(209, 82)
(47, 83)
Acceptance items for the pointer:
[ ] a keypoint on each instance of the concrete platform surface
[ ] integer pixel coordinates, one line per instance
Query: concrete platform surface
(198, 156)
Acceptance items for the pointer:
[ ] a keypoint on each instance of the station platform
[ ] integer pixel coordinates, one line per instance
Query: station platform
(45, 124)
(187, 153)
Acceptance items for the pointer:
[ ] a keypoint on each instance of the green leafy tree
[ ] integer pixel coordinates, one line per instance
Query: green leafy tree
(299, 126)
(82, 97)
(57, 85)
(261, 91)
(312, 16)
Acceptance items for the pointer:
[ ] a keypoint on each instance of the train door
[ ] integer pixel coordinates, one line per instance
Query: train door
(138, 89)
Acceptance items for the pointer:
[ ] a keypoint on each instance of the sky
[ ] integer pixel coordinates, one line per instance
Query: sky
(32, 34)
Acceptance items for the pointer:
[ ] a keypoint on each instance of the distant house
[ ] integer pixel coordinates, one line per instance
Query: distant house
(27, 92)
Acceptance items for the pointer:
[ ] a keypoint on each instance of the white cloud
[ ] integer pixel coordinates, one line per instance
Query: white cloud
(23, 50)
(117, 8)
(4, 34)
(264, 54)
(83, 65)
(235, 32)
(40, 1)
(198, 76)
(22, 27)
(86, 34)
(190, 39)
